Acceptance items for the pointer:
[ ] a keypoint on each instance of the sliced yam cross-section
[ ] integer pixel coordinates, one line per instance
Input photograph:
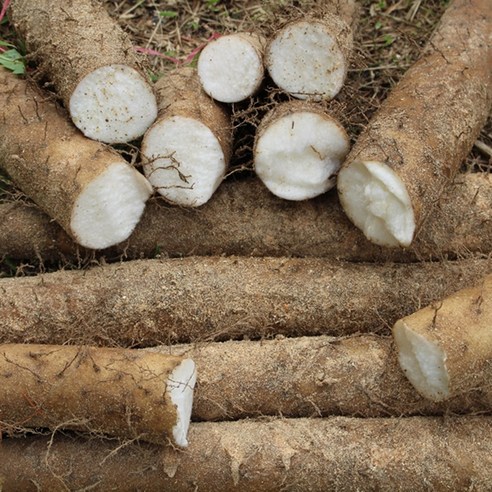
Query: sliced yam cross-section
(231, 68)
(309, 59)
(298, 151)
(187, 150)
(92, 65)
(90, 190)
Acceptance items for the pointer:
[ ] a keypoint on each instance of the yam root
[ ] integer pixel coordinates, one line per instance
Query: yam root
(118, 392)
(186, 152)
(91, 191)
(231, 68)
(91, 63)
(298, 150)
(150, 302)
(244, 218)
(337, 454)
(445, 348)
(309, 57)
(310, 377)
(413, 147)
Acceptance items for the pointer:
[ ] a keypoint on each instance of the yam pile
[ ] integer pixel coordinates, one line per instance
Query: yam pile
(262, 264)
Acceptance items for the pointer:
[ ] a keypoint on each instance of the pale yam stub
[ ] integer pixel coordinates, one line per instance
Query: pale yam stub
(445, 349)
(187, 150)
(309, 58)
(298, 150)
(92, 65)
(119, 392)
(90, 190)
(413, 147)
(231, 68)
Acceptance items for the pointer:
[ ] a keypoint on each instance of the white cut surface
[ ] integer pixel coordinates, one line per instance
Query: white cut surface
(377, 202)
(113, 104)
(305, 60)
(109, 207)
(298, 155)
(230, 68)
(186, 163)
(180, 388)
(423, 362)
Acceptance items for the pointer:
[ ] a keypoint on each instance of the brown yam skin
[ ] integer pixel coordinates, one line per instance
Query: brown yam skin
(117, 392)
(319, 455)
(461, 326)
(356, 376)
(244, 218)
(46, 156)
(70, 39)
(430, 120)
(180, 93)
(150, 302)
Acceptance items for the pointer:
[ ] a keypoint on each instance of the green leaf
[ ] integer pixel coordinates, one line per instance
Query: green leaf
(12, 60)
(378, 25)
(388, 39)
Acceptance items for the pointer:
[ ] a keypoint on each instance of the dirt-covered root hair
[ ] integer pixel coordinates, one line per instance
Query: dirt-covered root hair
(298, 150)
(231, 68)
(413, 147)
(445, 349)
(92, 65)
(118, 392)
(187, 150)
(90, 190)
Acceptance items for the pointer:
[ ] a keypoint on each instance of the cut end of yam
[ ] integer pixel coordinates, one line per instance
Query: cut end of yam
(423, 362)
(113, 104)
(185, 162)
(377, 202)
(180, 387)
(298, 155)
(231, 68)
(305, 60)
(109, 207)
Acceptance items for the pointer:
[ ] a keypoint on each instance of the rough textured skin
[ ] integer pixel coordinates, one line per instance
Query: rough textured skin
(149, 302)
(117, 392)
(46, 156)
(460, 326)
(70, 39)
(310, 377)
(244, 218)
(338, 454)
(429, 122)
(179, 93)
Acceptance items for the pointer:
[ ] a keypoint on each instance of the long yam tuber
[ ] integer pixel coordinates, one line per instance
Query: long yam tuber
(243, 218)
(91, 191)
(413, 147)
(92, 65)
(149, 302)
(445, 349)
(337, 454)
(124, 393)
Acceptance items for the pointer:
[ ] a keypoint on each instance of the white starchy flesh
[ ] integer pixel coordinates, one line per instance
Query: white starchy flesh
(180, 387)
(109, 207)
(377, 202)
(305, 60)
(186, 161)
(423, 362)
(113, 104)
(299, 154)
(231, 68)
